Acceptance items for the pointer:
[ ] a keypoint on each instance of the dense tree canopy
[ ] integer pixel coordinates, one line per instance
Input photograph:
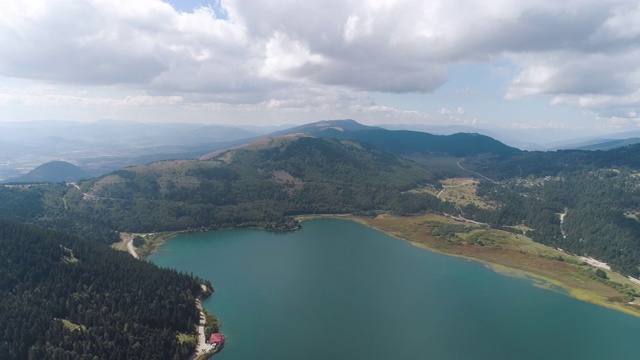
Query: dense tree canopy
(257, 186)
(601, 213)
(62, 297)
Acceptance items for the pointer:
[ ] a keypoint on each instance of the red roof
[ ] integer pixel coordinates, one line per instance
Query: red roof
(216, 338)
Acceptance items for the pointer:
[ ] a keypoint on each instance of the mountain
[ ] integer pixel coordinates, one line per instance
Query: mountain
(259, 184)
(405, 142)
(324, 125)
(53, 171)
(603, 144)
(107, 145)
(120, 134)
(552, 163)
(342, 167)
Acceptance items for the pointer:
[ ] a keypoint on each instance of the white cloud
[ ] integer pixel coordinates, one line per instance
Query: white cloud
(289, 54)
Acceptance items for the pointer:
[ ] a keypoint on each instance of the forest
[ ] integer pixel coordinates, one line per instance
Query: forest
(44, 205)
(600, 207)
(261, 186)
(62, 297)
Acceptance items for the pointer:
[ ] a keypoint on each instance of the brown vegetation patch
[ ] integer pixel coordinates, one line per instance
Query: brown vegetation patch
(263, 143)
(162, 166)
(103, 183)
(283, 177)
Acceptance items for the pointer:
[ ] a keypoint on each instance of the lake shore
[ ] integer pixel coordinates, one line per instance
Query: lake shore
(152, 242)
(343, 272)
(514, 255)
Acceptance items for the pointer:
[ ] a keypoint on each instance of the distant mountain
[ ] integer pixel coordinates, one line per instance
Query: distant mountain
(318, 127)
(54, 171)
(506, 136)
(603, 144)
(581, 142)
(120, 134)
(104, 146)
(552, 163)
(405, 142)
(436, 129)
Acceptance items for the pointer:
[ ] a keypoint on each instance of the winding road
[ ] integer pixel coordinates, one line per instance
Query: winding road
(564, 234)
(132, 249)
(453, 186)
(89, 196)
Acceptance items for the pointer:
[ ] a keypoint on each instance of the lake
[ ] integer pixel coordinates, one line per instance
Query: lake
(340, 290)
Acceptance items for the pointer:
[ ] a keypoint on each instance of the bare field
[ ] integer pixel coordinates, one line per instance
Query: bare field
(463, 191)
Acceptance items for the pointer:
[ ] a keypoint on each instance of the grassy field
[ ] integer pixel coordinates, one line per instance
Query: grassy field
(512, 254)
(72, 326)
(459, 191)
(462, 191)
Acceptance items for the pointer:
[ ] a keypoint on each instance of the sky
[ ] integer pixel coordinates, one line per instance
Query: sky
(566, 66)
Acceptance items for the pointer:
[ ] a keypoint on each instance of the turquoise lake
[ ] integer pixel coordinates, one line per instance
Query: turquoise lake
(339, 290)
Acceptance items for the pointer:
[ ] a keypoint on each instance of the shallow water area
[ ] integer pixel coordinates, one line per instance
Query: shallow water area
(340, 290)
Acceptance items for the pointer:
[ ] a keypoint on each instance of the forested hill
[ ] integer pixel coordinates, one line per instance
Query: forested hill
(53, 171)
(63, 297)
(43, 205)
(256, 185)
(551, 163)
(596, 191)
(406, 142)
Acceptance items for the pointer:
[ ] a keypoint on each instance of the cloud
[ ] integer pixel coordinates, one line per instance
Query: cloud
(144, 43)
(291, 54)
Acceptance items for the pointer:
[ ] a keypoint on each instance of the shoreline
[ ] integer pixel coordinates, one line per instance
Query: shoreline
(153, 241)
(548, 283)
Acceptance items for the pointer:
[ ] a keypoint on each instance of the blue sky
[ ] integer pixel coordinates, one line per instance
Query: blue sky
(567, 68)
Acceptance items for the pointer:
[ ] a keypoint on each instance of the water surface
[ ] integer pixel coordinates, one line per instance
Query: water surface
(339, 290)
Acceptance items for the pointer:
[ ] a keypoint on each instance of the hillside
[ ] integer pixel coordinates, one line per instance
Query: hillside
(43, 205)
(406, 142)
(269, 181)
(256, 185)
(63, 297)
(551, 163)
(317, 127)
(53, 171)
(595, 190)
(609, 144)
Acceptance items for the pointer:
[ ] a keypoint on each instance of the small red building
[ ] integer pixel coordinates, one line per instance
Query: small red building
(217, 339)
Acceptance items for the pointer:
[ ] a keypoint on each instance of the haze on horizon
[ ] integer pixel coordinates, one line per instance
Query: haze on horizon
(568, 68)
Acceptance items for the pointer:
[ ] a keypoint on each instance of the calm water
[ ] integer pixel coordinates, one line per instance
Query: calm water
(339, 290)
